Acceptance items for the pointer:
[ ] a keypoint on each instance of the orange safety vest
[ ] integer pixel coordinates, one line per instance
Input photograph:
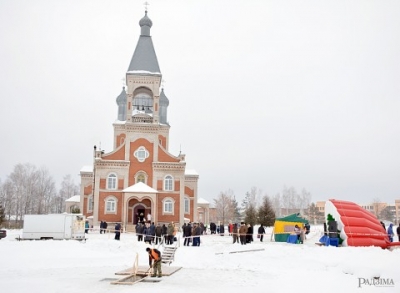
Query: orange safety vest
(154, 255)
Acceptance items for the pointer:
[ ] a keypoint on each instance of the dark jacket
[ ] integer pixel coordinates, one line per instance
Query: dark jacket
(152, 229)
(158, 231)
(164, 229)
(118, 227)
(139, 229)
(188, 231)
(147, 233)
(197, 231)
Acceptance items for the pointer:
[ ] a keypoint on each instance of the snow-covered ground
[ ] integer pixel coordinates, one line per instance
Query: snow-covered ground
(72, 266)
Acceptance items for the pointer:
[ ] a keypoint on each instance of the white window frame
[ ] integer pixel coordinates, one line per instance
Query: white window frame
(90, 203)
(110, 205)
(112, 181)
(168, 206)
(168, 183)
(141, 154)
(186, 205)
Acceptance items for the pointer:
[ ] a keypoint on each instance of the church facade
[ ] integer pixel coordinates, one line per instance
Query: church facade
(140, 179)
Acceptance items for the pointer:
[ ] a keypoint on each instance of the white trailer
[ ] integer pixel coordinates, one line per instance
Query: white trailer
(54, 226)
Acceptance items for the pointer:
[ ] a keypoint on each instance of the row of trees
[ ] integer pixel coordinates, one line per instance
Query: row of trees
(259, 208)
(31, 190)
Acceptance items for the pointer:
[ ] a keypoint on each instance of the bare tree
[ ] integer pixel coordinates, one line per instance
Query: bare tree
(225, 207)
(286, 199)
(28, 190)
(252, 198)
(377, 206)
(2, 212)
(388, 214)
(6, 195)
(68, 189)
(292, 197)
(305, 199)
(314, 214)
(276, 204)
(45, 192)
(22, 181)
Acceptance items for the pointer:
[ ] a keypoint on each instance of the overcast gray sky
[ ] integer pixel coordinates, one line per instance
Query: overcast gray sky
(262, 93)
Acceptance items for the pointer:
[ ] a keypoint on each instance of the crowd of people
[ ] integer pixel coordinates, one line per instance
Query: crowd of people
(150, 233)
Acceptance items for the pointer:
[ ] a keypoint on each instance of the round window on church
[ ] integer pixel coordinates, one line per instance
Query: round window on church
(141, 154)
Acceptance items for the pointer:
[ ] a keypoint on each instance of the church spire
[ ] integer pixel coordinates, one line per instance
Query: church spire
(144, 58)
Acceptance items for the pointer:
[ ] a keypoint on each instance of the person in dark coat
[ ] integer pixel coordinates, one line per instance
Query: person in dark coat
(383, 225)
(213, 228)
(261, 232)
(249, 236)
(235, 233)
(222, 229)
(147, 233)
(139, 231)
(105, 225)
(152, 231)
(117, 231)
(187, 234)
(307, 227)
(165, 233)
(203, 229)
(158, 232)
(398, 232)
(141, 217)
(101, 227)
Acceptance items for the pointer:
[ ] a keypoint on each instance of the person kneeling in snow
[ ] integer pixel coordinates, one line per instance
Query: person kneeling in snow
(155, 261)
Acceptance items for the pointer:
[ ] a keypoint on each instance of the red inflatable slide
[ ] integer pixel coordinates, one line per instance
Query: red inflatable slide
(357, 226)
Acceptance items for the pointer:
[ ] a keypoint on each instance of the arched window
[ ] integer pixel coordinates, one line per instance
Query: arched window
(110, 205)
(168, 206)
(90, 203)
(187, 205)
(112, 181)
(168, 183)
(141, 178)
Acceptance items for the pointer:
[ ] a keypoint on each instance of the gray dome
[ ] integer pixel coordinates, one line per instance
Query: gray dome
(121, 99)
(145, 21)
(163, 98)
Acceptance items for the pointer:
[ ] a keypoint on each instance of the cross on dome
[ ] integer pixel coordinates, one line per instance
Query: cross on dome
(145, 5)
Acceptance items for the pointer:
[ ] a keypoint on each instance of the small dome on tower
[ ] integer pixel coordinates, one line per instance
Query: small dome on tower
(163, 98)
(145, 21)
(121, 99)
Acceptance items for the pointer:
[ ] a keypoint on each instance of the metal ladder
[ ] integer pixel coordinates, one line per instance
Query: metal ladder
(168, 255)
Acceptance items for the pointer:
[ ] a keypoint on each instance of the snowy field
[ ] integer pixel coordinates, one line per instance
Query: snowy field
(83, 267)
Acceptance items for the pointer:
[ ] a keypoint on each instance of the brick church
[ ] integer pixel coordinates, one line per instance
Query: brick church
(139, 177)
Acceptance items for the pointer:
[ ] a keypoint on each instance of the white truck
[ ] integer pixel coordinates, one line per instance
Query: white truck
(54, 226)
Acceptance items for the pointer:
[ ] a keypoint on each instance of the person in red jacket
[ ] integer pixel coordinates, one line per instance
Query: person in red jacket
(155, 261)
